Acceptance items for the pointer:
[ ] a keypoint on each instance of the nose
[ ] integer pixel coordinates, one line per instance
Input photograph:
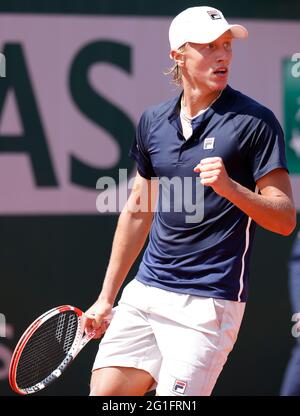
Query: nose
(224, 56)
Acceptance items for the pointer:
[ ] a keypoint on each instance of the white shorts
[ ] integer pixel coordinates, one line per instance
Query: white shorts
(182, 340)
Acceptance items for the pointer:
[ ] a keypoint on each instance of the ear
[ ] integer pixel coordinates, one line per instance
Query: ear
(178, 57)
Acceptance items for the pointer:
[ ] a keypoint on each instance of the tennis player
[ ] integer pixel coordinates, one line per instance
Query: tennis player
(178, 320)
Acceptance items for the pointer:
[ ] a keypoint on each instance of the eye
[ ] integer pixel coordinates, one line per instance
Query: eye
(227, 46)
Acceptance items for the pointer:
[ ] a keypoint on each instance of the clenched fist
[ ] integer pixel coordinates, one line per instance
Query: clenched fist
(213, 173)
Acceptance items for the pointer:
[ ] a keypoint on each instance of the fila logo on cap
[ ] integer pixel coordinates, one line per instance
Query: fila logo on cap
(214, 15)
(179, 386)
(208, 143)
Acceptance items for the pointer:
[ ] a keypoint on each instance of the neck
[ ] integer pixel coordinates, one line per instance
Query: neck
(196, 100)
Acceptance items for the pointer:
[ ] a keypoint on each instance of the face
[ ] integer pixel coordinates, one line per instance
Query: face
(206, 66)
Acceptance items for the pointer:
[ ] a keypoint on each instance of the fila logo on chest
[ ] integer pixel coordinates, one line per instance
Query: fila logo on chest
(208, 143)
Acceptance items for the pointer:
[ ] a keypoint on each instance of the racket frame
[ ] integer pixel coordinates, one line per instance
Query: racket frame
(79, 342)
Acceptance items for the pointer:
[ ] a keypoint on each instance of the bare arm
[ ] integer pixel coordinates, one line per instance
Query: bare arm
(130, 236)
(273, 208)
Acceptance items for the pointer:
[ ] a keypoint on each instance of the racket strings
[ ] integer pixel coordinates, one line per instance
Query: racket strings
(46, 349)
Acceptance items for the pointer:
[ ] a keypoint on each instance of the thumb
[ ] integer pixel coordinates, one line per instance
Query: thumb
(95, 318)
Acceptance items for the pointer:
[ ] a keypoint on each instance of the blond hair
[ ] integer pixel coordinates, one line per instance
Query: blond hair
(175, 70)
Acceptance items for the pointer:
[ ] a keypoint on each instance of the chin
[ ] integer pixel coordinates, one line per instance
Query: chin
(219, 85)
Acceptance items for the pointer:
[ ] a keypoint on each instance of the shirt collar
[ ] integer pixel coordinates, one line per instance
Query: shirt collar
(218, 105)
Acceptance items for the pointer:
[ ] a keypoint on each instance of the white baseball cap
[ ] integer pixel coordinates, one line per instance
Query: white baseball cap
(201, 25)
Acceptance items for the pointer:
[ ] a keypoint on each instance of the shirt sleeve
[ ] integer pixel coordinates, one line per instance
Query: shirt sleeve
(139, 149)
(267, 146)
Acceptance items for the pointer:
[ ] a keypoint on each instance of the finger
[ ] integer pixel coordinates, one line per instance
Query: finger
(210, 174)
(210, 167)
(101, 330)
(96, 323)
(85, 322)
(207, 166)
(95, 318)
(104, 326)
(88, 328)
(210, 160)
(98, 334)
(209, 181)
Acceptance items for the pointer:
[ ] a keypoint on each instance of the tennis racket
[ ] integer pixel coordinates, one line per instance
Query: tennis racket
(47, 347)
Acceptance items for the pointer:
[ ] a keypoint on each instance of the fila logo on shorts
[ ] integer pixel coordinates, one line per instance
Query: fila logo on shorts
(214, 15)
(179, 386)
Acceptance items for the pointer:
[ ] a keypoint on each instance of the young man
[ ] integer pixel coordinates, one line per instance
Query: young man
(178, 320)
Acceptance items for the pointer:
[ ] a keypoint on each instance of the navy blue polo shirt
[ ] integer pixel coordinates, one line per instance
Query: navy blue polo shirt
(209, 257)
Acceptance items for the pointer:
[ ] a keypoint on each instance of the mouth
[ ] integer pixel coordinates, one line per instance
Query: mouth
(222, 71)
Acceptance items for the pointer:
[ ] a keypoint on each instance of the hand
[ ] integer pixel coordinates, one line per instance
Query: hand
(98, 317)
(213, 173)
